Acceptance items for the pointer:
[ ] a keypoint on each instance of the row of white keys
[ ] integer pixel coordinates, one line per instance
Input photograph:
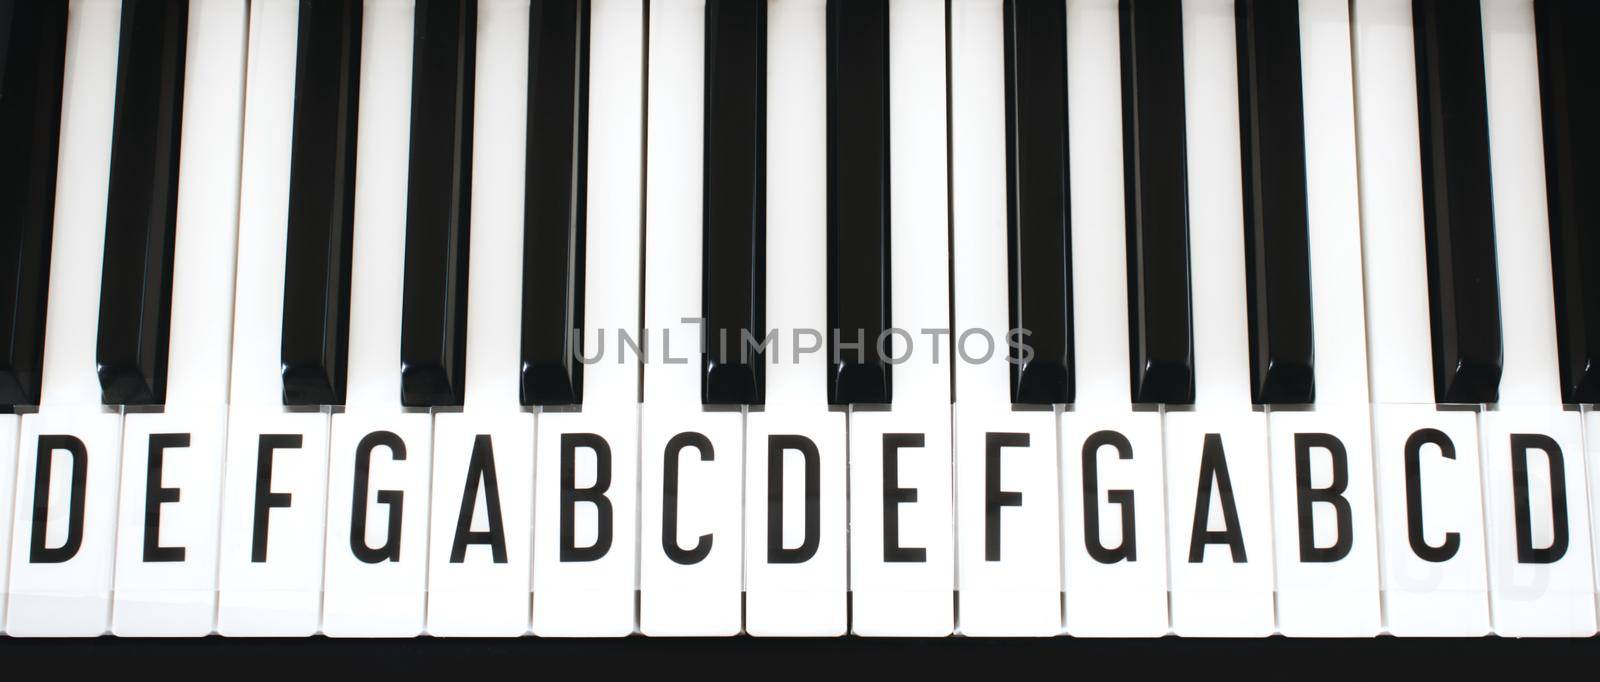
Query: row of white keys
(691, 457)
(902, 545)
(275, 476)
(591, 592)
(1541, 578)
(69, 451)
(376, 545)
(1327, 563)
(166, 563)
(1113, 501)
(1435, 595)
(1006, 484)
(795, 578)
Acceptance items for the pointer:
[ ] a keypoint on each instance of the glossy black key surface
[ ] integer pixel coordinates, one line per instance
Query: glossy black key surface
(858, 201)
(1037, 203)
(553, 227)
(433, 328)
(733, 293)
(1160, 331)
(1570, 94)
(1277, 254)
(1457, 201)
(322, 182)
(142, 203)
(33, 39)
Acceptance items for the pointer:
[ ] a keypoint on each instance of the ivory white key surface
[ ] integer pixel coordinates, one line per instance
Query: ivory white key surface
(796, 578)
(1540, 568)
(1008, 519)
(377, 544)
(8, 471)
(1540, 574)
(902, 543)
(696, 590)
(1591, 443)
(891, 594)
(1114, 524)
(375, 578)
(61, 571)
(281, 595)
(481, 524)
(1433, 546)
(271, 563)
(1219, 591)
(1334, 593)
(595, 596)
(484, 590)
(61, 581)
(166, 574)
(1421, 597)
(1114, 584)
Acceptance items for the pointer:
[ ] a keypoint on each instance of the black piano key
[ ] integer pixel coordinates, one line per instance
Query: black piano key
(1570, 95)
(1160, 331)
(142, 203)
(322, 180)
(433, 329)
(734, 238)
(1457, 201)
(553, 227)
(33, 39)
(1277, 253)
(858, 201)
(1037, 201)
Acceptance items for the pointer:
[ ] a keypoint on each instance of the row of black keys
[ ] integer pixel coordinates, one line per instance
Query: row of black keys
(136, 296)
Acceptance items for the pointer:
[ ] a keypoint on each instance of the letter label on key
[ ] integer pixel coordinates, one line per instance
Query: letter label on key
(594, 494)
(669, 495)
(393, 500)
(481, 477)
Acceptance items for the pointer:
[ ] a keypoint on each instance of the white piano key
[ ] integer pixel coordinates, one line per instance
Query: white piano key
(1421, 597)
(9, 424)
(1327, 562)
(1532, 592)
(274, 497)
(804, 592)
(480, 534)
(1115, 580)
(697, 590)
(376, 570)
(374, 446)
(68, 592)
(797, 577)
(595, 596)
(158, 591)
(1427, 596)
(891, 596)
(1329, 597)
(482, 594)
(691, 567)
(281, 595)
(1006, 489)
(1540, 575)
(1124, 592)
(1591, 444)
(902, 552)
(1219, 591)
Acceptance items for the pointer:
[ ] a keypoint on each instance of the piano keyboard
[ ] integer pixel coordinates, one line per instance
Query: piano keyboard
(799, 317)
